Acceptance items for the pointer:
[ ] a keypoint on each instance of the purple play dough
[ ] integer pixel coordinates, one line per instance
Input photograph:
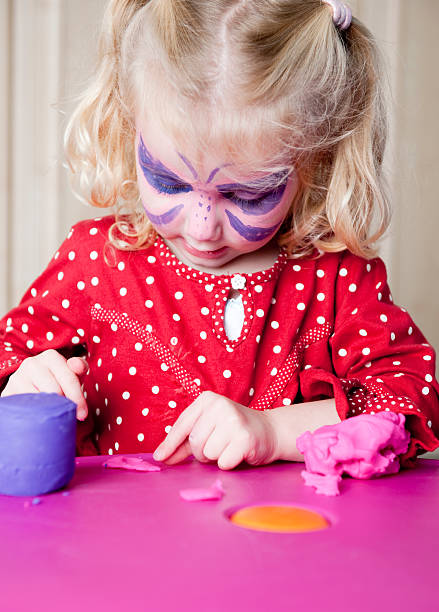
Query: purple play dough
(37, 443)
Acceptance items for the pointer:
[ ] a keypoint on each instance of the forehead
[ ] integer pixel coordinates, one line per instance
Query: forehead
(247, 161)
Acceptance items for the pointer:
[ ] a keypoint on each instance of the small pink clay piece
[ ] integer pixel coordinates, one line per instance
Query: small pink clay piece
(131, 463)
(214, 492)
(364, 446)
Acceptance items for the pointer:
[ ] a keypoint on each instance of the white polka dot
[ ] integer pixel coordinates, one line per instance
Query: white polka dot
(96, 339)
(72, 255)
(149, 280)
(205, 310)
(138, 346)
(258, 338)
(164, 367)
(81, 285)
(301, 306)
(60, 275)
(343, 272)
(203, 335)
(392, 336)
(49, 336)
(362, 332)
(176, 317)
(321, 320)
(201, 358)
(110, 376)
(227, 373)
(121, 266)
(258, 288)
(273, 372)
(93, 255)
(65, 304)
(155, 389)
(342, 352)
(178, 295)
(300, 286)
(429, 423)
(126, 395)
(93, 231)
(427, 357)
(123, 291)
(410, 331)
(383, 318)
(149, 303)
(425, 390)
(352, 287)
(33, 292)
(114, 352)
(428, 377)
(132, 370)
(140, 437)
(145, 411)
(174, 341)
(286, 401)
(277, 349)
(366, 351)
(113, 327)
(172, 404)
(151, 259)
(95, 281)
(119, 420)
(25, 328)
(168, 428)
(320, 297)
(260, 312)
(99, 362)
(75, 340)
(297, 268)
(275, 324)
(251, 391)
(30, 344)
(354, 311)
(208, 288)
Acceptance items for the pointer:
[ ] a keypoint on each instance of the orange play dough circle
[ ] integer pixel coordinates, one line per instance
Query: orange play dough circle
(284, 519)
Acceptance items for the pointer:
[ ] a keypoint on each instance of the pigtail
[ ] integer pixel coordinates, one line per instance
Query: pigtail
(99, 138)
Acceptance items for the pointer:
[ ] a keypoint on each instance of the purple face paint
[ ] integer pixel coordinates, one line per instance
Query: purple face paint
(189, 165)
(166, 217)
(158, 175)
(250, 233)
(254, 204)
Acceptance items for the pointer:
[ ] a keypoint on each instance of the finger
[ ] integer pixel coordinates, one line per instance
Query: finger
(200, 434)
(231, 456)
(78, 365)
(179, 432)
(216, 444)
(41, 378)
(183, 452)
(69, 383)
(12, 389)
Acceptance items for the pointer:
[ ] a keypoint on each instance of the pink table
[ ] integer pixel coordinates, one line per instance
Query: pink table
(125, 541)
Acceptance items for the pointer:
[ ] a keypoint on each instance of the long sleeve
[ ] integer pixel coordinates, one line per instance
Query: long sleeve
(383, 361)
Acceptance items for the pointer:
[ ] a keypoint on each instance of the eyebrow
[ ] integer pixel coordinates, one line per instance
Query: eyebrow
(265, 184)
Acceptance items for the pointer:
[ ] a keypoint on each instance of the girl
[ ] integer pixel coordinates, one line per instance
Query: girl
(235, 296)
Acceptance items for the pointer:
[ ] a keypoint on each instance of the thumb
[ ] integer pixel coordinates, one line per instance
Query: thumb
(78, 365)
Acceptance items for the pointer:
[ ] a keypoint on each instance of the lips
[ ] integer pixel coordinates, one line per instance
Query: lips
(204, 254)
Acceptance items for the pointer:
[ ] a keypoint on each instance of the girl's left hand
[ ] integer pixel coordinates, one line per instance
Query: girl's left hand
(215, 428)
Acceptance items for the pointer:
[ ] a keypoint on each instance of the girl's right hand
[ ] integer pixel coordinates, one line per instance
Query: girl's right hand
(50, 372)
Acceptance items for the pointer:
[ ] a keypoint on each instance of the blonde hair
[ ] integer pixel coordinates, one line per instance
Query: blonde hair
(236, 75)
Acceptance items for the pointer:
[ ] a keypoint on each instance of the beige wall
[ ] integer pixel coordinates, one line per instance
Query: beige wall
(47, 49)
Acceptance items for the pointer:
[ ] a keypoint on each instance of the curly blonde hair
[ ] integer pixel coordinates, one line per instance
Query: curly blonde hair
(233, 75)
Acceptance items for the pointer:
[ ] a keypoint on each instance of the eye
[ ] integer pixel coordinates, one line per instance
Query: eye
(255, 203)
(163, 183)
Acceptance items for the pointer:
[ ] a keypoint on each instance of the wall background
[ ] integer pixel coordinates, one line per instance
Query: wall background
(47, 51)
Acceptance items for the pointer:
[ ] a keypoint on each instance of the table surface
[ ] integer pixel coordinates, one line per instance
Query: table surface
(126, 541)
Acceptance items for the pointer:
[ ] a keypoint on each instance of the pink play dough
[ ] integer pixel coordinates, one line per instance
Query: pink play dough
(131, 463)
(214, 492)
(364, 446)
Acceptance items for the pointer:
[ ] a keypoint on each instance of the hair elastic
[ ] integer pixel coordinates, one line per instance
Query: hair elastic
(341, 14)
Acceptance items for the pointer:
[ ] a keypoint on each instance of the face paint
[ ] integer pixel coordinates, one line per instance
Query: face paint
(158, 175)
(261, 204)
(253, 234)
(206, 226)
(166, 217)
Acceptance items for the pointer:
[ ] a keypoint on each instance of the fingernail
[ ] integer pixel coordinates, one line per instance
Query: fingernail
(157, 455)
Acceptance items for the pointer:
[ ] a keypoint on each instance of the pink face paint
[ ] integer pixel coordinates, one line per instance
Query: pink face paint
(253, 234)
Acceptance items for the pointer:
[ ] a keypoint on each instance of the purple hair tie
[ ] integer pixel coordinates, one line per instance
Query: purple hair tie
(341, 14)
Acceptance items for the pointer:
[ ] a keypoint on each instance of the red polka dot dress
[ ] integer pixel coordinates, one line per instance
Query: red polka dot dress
(154, 335)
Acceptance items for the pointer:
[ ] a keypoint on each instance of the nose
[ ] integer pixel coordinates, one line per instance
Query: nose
(202, 222)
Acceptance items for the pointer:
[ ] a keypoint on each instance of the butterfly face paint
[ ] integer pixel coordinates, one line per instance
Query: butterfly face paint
(204, 218)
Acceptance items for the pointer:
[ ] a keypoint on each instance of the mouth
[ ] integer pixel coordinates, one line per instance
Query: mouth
(205, 254)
